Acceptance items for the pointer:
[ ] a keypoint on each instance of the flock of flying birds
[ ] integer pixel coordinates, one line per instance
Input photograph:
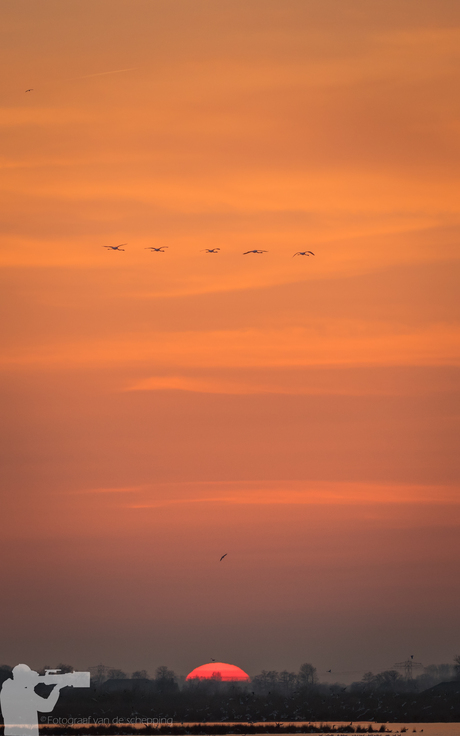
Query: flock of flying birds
(205, 250)
(162, 249)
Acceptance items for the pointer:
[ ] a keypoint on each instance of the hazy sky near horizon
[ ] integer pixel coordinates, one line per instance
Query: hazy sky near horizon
(160, 410)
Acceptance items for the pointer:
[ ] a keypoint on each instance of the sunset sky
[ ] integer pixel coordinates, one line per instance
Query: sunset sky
(162, 409)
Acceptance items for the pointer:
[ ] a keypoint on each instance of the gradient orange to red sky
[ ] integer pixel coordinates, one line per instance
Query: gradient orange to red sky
(162, 409)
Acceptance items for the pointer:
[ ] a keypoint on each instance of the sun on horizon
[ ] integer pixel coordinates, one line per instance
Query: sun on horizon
(219, 671)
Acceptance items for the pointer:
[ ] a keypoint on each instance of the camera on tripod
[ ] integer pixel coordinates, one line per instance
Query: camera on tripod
(65, 679)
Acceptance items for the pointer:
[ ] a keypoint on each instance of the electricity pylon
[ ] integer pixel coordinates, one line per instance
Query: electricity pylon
(408, 666)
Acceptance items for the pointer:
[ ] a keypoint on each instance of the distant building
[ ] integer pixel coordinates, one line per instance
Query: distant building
(219, 671)
(451, 686)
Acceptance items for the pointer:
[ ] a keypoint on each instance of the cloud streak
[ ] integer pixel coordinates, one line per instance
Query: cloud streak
(346, 342)
(102, 491)
(103, 74)
(291, 493)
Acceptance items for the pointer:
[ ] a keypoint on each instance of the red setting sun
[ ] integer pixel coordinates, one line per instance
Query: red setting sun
(219, 671)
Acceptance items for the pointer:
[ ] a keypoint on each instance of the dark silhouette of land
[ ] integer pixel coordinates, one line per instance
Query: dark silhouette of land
(271, 703)
(221, 730)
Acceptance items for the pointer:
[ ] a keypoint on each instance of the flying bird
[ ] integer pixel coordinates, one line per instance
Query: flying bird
(157, 250)
(115, 247)
(30, 90)
(209, 250)
(212, 660)
(329, 670)
(225, 555)
(304, 253)
(255, 251)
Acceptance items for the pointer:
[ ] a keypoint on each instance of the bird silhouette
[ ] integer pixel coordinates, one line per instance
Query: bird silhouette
(255, 251)
(303, 253)
(225, 555)
(115, 247)
(30, 90)
(209, 250)
(329, 670)
(157, 250)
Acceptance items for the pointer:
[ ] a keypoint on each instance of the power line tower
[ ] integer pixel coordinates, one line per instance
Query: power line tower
(408, 666)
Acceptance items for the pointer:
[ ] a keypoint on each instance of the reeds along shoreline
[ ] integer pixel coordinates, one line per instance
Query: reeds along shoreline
(203, 729)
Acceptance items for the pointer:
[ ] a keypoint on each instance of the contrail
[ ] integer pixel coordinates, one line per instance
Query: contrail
(101, 74)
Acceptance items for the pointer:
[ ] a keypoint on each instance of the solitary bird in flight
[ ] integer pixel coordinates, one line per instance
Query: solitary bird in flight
(225, 555)
(255, 251)
(115, 247)
(157, 250)
(30, 90)
(304, 253)
(209, 250)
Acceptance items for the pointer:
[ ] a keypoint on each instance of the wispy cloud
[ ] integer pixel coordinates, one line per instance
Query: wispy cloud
(212, 386)
(310, 381)
(297, 493)
(337, 342)
(102, 74)
(97, 491)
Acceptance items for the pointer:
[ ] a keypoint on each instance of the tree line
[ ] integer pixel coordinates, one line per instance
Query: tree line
(271, 681)
(271, 697)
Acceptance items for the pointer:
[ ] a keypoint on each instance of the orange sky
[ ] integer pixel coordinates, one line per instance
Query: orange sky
(300, 414)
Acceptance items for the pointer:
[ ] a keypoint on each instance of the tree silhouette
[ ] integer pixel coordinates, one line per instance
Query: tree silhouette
(388, 680)
(140, 675)
(457, 666)
(117, 675)
(165, 680)
(307, 674)
(99, 673)
(65, 668)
